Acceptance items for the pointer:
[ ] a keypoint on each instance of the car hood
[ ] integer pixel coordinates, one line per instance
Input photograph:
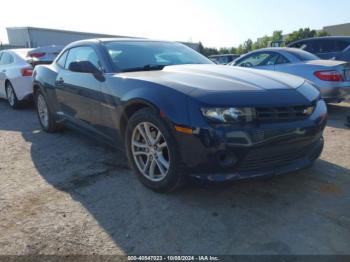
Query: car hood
(218, 78)
(227, 85)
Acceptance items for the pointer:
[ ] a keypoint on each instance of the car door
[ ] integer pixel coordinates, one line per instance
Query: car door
(79, 94)
(259, 60)
(5, 65)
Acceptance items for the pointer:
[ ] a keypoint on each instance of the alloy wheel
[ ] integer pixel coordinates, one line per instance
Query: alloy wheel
(43, 111)
(10, 95)
(150, 151)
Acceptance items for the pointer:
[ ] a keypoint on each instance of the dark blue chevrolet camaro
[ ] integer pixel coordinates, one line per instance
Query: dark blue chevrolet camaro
(176, 113)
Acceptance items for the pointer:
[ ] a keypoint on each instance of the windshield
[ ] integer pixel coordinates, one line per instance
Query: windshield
(138, 55)
(302, 55)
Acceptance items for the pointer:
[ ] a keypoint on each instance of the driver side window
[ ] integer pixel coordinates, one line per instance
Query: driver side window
(82, 53)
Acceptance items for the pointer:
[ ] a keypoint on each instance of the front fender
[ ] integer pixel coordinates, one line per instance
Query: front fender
(173, 104)
(44, 78)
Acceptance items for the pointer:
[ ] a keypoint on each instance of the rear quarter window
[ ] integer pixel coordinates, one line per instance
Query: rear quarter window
(6, 59)
(282, 60)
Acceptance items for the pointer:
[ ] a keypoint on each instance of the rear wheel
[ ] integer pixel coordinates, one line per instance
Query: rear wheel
(45, 115)
(152, 151)
(11, 96)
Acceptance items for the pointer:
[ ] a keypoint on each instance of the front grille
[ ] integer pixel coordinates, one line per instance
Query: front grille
(261, 159)
(267, 114)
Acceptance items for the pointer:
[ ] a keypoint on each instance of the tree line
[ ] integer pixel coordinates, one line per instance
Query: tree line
(263, 42)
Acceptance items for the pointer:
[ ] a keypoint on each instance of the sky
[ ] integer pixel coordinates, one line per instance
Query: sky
(216, 23)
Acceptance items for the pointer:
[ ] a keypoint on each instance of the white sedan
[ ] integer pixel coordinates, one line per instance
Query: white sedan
(16, 69)
(15, 76)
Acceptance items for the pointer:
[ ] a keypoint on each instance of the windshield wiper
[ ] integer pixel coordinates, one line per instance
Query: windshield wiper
(145, 68)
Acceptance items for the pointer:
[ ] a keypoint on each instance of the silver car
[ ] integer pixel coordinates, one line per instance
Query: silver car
(331, 77)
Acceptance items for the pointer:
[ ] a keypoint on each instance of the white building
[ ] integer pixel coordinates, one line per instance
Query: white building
(338, 30)
(34, 37)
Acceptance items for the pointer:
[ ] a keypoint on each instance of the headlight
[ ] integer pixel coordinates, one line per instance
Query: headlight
(229, 115)
(308, 111)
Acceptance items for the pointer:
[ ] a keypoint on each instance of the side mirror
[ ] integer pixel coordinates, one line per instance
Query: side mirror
(86, 67)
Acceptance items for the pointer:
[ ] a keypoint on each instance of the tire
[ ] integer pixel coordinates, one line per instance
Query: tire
(12, 97)
(159, 157)
(45, 115)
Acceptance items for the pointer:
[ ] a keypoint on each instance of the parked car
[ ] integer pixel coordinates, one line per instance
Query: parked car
(16, 68)
(328, 47)
(45, 54)
(223, 59)
(176, 113)
(332, 78)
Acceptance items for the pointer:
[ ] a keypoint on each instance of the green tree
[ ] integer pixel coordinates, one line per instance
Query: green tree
(240, 50)
(211, 51)
(302, 33)
(247, 46)
(322, 33)
(233, 50)
(224, 50)
(277, 36)
(207, 51)
(201, 48)
(262, 42)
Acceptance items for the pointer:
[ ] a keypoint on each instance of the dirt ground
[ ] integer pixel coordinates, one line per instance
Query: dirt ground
(66, 194)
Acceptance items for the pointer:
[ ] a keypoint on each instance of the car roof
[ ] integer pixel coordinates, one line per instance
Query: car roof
(275, 49)
(323, 38)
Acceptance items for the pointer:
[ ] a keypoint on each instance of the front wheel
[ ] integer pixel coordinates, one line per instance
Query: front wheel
(152, 151)
(45, 116)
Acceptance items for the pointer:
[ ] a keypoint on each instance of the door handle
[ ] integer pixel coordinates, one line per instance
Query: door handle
(59, 81)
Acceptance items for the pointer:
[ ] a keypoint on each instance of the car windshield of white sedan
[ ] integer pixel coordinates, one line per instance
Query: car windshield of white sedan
(130, 56)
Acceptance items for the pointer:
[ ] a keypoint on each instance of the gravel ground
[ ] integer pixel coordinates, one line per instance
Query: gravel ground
(66, 194)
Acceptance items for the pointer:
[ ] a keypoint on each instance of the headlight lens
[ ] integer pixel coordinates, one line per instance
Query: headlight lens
(229, 115)
(308, 111)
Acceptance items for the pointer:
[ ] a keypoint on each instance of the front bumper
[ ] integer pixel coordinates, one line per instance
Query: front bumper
(228, 153)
